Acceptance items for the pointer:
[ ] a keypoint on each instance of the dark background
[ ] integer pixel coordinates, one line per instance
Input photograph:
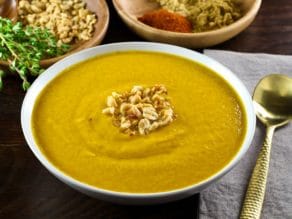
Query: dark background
(29, 191)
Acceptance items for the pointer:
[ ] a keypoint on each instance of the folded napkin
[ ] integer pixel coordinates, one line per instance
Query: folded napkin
(224, 199)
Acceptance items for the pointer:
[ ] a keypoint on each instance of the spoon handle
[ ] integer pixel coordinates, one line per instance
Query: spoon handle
(254, 198)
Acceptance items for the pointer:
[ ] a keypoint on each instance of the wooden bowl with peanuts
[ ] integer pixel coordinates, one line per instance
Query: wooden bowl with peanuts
(79, 23)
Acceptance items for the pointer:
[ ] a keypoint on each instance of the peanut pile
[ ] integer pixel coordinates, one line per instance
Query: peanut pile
(141, 110)
(68, 20)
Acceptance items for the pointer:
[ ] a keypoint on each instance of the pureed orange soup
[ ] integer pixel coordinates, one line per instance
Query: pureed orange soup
(71, 131)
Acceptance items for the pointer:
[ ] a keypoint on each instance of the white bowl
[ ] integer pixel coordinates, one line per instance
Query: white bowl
(122, 197)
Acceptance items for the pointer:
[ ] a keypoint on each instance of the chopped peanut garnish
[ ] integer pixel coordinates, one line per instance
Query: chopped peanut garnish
(141, 110)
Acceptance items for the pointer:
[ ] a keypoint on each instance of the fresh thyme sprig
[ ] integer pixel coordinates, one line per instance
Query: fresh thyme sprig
(24, 47)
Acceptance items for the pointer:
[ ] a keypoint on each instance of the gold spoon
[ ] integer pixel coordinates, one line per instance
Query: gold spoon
(8, 9)
(272, 100)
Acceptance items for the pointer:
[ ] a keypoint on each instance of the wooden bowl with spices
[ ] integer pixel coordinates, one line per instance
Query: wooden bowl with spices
(195, 25)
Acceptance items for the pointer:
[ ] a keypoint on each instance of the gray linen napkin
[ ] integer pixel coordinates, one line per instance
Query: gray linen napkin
(223, 200)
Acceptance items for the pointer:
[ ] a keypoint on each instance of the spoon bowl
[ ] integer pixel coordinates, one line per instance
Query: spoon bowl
(273, 99)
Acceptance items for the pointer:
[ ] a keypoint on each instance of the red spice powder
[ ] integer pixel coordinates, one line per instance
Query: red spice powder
(165, 20)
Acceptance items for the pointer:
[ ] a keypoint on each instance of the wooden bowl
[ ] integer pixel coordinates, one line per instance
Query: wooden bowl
(8, 9)
(100, 8)
(129, 10)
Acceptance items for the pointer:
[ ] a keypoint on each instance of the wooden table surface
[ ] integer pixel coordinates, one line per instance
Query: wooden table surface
(29, 191)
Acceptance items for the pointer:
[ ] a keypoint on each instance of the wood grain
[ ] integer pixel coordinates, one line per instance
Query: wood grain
(270, 33)
(28, 191)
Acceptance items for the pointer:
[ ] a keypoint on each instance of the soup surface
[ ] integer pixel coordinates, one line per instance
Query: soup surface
(79, 140)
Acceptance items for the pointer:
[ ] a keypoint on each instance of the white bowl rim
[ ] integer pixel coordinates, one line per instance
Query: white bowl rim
(54, 70)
